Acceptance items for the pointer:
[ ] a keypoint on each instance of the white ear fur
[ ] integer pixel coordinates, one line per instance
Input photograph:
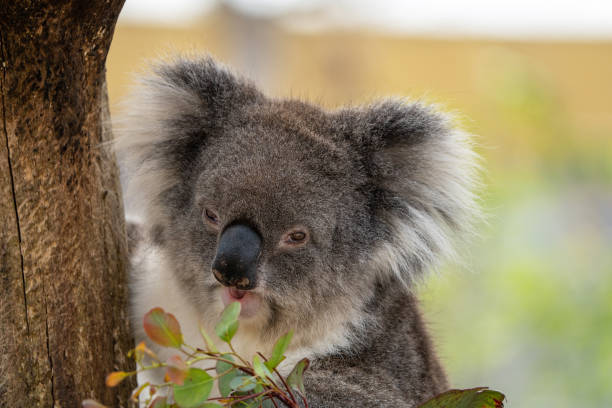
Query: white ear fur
(143, 124)
(434, 179)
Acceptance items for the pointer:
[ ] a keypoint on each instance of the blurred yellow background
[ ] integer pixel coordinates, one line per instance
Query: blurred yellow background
(530, 312)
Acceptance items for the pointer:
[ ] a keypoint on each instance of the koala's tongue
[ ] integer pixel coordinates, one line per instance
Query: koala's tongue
(237, 293)
(249, 301)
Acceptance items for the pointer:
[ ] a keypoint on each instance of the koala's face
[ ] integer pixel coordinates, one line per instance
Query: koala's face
(282, 206)
(272, 214)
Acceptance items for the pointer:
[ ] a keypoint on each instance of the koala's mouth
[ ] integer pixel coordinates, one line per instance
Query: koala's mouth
(237, 293)
(250, 301)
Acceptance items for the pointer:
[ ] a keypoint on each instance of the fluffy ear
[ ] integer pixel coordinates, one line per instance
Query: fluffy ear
(165, 123)
(424, 173)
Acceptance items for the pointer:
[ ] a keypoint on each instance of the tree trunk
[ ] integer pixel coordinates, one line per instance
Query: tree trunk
(63, 259)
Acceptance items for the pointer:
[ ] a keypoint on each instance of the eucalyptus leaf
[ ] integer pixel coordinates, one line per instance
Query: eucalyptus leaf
(279, 350)
(227, 326)
(261, 370)
(479, 397)
(176, 369)
(195, 389)
(227, 373)
(242, 383)
(163, 328)
(295, 379)
(210, 345)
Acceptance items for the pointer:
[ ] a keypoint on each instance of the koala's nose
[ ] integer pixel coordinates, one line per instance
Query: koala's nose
(236, 261)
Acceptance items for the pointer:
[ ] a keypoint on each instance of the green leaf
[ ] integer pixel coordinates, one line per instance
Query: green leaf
(210, 345)
(279, 350)
(163, 328)
(295, 379)
(242, 383)
(210, 405)
(227, 326)
(261, 370)
(195, 389)
(479, 397)
(225, 379)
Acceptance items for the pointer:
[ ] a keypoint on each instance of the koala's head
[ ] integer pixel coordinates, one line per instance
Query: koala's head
(281, 205)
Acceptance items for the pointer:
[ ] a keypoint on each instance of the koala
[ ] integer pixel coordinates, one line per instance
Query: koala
(317, 221)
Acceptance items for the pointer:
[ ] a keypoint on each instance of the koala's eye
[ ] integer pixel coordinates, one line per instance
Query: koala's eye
(211, 217)
(298, 236)
(294, 238)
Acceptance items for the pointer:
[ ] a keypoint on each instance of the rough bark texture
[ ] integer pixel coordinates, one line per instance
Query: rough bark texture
(63, 289)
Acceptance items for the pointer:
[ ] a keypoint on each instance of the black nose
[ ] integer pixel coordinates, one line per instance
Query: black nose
(236, 261)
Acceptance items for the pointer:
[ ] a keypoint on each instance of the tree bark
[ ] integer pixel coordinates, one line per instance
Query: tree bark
(63, 290)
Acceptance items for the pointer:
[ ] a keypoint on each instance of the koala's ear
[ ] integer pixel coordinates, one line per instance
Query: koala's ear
(166, 121)
(179, 97)
(423, 171)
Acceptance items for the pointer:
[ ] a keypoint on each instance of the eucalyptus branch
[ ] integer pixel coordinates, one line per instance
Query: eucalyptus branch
(287, 387)
(189, 385)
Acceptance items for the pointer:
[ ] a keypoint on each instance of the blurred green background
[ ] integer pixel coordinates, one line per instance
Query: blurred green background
(530, 310)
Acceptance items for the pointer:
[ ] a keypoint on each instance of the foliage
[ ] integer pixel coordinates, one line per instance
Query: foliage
(472, 398)
(241, 383)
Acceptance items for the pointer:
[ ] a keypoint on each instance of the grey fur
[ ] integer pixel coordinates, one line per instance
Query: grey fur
(382, 188)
